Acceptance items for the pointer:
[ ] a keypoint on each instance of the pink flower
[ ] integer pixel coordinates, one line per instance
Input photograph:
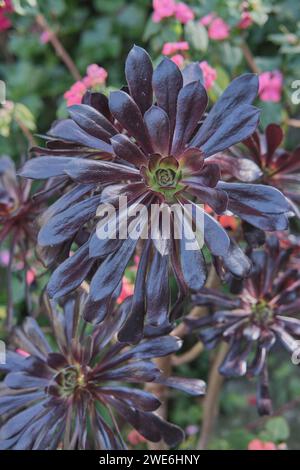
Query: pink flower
(163, 9)
(135, 438)
(209, 74)
(96, 74)
(191, 430)
(4, 258)
(30, 276)
(245, 21)
(75, 94)
(252, 400)
(270, 86)
(172, 47)
(95, 77)
(178, 59)
(184, 13)
(218, 29)
(45, 37)
(207, 19)
(23, 353)
(6, 7)
(257, 444)
(127, 290)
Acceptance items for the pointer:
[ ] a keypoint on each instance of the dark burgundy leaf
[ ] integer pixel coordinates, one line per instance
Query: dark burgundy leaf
(138, 71)
(71, 273)
(191, 104)
(127, 150)
(92, 122)
(68, 130)
(158, 126)
(192, 73)
(65, 224)
(127, 113)
(158, 293)
(167, 82)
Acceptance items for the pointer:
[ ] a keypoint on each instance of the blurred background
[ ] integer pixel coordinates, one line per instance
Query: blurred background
(52, 51)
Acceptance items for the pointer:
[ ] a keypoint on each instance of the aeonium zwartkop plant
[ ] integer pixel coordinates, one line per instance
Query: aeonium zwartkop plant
(266, 162)
(18, 212)
(280, 167)
(266, 311)
(161, 143)
(71, 394)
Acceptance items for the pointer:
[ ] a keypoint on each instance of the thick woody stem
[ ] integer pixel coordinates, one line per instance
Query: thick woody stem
(211, 400)
(58, 47)
(10, 306)
(165, 363)
(160, 391)
(189, 355)
(31, 140)
(249, 58)
(212, 282)
(293, 122)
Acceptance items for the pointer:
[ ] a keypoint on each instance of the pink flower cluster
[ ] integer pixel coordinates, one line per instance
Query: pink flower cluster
(270, 86)
(45, 37)
(6, 7)
(178, 59)
(19, 266)
(257, 444)
(245, 21)
(209, 74)
(126, 291)
(169, 8)
(171, 48)
(135, 438)
(95, 77)
(217, 28)
(183, 13)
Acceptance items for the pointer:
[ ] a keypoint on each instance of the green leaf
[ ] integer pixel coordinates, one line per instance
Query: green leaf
(278, 429)
(268, 63)
(24, 116)
(232, 55)
(259, 17)
(132, 18)
(196, 35)
(108, 7)
(25, 7)
(270, 112)
(151, 29)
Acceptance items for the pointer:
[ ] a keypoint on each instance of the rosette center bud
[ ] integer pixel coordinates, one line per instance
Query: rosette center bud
(163, 175)
(262, 312)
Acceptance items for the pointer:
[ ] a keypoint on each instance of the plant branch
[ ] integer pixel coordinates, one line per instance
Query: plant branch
(211, 400)
(281, 410)
(10, 305)
(293, 122)
(160, 391)
(189, 355)
(212, 282)
(58, 47)
(165, 363)
(31, 140)
(249, 57)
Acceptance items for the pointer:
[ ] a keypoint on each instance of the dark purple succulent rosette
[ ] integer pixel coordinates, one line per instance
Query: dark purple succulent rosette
(266, 311)
(161, 141)
(17, 211)
(18, 214)
(67, 395)
(265, 161)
